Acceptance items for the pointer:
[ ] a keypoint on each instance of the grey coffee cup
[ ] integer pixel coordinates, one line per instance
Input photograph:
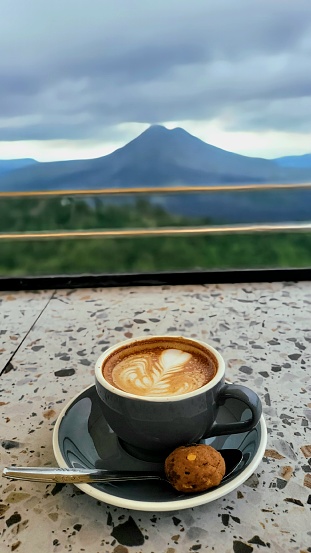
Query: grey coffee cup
(158, 425)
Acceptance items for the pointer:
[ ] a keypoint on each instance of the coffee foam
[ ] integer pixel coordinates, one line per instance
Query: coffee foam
(160, 368)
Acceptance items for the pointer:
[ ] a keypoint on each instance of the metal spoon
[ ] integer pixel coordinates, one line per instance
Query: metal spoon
(232, 457)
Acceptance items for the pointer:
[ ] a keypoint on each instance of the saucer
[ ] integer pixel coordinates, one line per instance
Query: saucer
(83, 439)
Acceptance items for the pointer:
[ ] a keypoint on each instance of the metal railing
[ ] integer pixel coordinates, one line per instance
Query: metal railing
(159, 190)
(160, 231)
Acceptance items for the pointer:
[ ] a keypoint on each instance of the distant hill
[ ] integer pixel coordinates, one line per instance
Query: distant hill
(157, 157)
(301, 162)
(7, 165)
(160, 157)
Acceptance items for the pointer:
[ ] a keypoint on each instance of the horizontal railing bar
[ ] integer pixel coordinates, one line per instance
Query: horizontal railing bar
(158, 190)
(162, 231)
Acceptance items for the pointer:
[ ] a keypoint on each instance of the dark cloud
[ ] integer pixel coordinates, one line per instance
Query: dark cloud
(73, 69)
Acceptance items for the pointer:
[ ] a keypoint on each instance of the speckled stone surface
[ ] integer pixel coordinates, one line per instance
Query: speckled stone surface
(264, 334)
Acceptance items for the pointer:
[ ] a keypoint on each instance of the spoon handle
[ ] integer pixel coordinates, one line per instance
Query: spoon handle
(233, 459)
(76, 476)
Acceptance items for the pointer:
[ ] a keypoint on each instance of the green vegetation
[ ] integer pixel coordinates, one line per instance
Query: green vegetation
(78, 256)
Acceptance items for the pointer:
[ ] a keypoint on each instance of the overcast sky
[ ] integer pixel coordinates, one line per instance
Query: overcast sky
(79, 78)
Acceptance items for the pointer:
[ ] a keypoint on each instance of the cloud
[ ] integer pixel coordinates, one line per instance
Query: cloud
(78, 69)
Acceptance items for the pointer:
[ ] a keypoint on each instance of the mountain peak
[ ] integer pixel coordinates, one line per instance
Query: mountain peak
(156, 130)
(161, 130)
(158, 134)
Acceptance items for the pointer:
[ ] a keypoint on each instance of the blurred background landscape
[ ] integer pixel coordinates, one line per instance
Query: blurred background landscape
(117, 120)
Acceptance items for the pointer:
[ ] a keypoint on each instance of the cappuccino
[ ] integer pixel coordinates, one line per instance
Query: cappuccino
(160, 392)
(160, 367)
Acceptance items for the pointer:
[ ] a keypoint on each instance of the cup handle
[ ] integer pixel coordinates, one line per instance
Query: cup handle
(246, 396)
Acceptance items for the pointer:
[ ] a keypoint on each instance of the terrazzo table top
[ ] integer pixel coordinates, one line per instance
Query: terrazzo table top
(50, 341)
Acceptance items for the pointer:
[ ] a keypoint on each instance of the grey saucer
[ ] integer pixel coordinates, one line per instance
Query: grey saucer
(82, 438)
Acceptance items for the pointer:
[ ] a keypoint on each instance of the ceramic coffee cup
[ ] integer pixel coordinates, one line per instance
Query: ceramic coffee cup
(160, 392)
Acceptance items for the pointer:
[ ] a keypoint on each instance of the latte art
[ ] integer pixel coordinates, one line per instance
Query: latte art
(160, 372)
